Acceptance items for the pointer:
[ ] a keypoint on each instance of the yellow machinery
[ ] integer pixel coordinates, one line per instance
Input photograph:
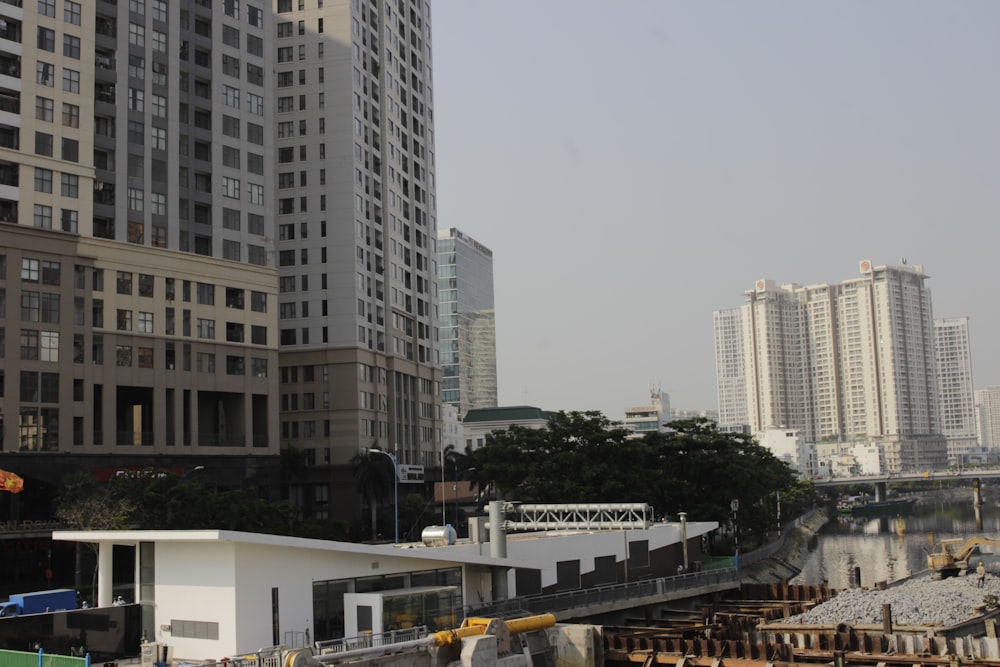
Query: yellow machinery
(951, 557)
(503, 629)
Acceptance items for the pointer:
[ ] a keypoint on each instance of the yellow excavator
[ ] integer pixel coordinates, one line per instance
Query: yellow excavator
(951, 557)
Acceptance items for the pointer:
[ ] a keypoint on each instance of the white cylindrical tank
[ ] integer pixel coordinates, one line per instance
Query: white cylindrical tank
(438, 536)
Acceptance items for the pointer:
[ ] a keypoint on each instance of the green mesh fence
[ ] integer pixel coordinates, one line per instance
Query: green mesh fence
(709, 563)
(29, 659)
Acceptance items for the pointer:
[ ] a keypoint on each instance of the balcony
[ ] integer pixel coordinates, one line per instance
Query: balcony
(8, 174)
(8, 210)
(105, 61)
(10, 66)
(104, 193)
(10, 102)
(10, 137)
(104, 92)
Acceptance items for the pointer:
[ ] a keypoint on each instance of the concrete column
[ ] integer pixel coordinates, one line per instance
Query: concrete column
(105, 571)
(684, 539)
(880, 491)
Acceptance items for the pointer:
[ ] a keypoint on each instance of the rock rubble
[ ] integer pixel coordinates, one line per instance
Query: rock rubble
(921, 601)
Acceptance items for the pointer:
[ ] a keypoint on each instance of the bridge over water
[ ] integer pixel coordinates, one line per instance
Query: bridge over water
(880, 482)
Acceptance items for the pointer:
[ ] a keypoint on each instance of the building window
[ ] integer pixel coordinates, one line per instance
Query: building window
(71, 12)
(71, 47)
(136, 99)
(136, 198)
(43, 180)
(136, 35)
(206, 328)
(71, 115)
(256, 194)
(124, 319)
(43, 144)
(158, 136)
(43, 216)
(71, 80)
(46, 39)
(230, 187)
(124, 282)
(45, 74)
(70, 185)
(206, 294)
(70, 220)
(158, 203)
(43, 108)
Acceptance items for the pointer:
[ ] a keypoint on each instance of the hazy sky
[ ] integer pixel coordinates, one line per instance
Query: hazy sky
(637, 164)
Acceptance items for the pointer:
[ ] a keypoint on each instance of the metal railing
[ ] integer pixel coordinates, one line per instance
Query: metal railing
(332, 646)
(41, 659)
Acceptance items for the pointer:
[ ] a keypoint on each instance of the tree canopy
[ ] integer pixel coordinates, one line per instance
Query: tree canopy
(165, 502)
(582, 457)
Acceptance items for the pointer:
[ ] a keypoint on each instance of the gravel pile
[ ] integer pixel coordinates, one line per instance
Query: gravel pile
(922, 601)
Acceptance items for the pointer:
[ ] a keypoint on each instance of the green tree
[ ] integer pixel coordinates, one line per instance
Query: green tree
(582, 457)
(374, 475)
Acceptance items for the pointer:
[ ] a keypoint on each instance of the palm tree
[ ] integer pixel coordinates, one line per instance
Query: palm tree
(374, 476)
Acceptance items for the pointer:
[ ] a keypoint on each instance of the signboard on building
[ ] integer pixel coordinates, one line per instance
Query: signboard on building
(410, 473)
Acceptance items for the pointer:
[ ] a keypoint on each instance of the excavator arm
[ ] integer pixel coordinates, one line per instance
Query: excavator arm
(969, 547)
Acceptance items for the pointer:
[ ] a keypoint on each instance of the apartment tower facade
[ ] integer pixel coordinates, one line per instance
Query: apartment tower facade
(356, 232)
(138, 290)
(954, 371)
(468, 324)
(848, 362)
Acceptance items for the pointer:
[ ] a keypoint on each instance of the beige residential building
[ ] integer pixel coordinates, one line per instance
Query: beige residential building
(356, 234)
(138, 290)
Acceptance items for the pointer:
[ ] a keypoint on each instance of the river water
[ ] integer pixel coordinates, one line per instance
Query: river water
(892, 547)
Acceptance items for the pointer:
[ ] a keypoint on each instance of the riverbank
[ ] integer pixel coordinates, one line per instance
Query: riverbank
(786, 561)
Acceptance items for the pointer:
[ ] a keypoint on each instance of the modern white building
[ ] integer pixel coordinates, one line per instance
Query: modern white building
(468, 322)
(730, 371)
(988, 416)
(954, 373)
(853, 361)
(791, 447)
(210, 593)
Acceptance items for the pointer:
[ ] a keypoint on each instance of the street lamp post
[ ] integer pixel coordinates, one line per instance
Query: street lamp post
(395, 485)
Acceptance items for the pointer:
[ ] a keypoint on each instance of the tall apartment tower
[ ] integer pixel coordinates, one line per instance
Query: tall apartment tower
(954, 372)
(729, 370)
(138, 300)
(849, 362)
(988, 417)
(468, 331)
(356, 229)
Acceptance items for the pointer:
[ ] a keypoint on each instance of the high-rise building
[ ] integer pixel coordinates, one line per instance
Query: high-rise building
(847, 362)
(468, 331)
(988, 417)
(730, 367)
(138, 301)
(356, 231)
(954, 372)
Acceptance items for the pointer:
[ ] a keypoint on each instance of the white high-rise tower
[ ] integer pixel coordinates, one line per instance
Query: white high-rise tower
(848, 362)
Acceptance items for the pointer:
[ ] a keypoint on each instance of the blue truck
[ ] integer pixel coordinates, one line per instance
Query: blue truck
(38, 602)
